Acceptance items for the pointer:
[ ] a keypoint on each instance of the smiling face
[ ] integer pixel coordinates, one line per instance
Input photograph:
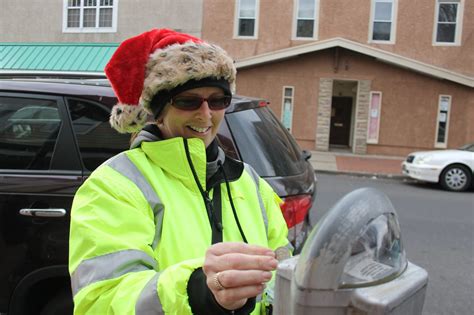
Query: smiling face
(201, 123)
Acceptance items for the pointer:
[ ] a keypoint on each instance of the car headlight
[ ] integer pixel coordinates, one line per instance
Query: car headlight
(423, 159)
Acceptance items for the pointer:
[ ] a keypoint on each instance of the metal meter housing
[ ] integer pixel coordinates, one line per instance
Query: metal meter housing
(353, 261)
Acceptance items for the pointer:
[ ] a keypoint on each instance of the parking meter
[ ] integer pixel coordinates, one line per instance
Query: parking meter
(353, 262)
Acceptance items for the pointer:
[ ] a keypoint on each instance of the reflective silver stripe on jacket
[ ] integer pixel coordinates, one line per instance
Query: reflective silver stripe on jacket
(110, 266)
(122, 164)
(148, 302)
(256, 178)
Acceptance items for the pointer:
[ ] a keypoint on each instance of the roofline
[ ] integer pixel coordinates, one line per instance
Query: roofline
(7, 73)
(377, 53)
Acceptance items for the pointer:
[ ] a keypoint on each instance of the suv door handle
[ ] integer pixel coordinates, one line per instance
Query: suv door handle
(48, 213)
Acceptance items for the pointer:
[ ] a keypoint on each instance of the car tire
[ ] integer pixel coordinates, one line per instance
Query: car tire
(456, 178)
(60, 304)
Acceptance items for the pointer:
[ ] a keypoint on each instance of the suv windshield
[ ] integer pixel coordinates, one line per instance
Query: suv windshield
(264, 143)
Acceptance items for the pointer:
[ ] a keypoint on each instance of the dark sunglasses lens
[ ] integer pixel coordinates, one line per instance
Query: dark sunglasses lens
(220, 102)
(187, 102)
(193, 103)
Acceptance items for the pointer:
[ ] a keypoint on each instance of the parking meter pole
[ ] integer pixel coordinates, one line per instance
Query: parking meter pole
(352, 263)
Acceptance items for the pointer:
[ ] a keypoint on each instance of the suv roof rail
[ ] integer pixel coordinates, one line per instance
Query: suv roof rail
(50, 75)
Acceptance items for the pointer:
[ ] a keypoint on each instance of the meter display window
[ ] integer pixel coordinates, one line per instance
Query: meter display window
(377, 255)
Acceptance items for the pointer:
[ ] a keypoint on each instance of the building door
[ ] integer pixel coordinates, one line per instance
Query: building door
(341, 112)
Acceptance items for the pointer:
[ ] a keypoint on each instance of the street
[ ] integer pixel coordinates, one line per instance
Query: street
(437, 230)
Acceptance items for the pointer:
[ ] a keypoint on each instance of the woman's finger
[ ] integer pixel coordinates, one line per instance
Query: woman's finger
(239, 261)
(228, 298)
(233, 247)
(237, 278)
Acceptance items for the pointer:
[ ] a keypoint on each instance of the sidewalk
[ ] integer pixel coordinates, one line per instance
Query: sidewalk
(348, 163)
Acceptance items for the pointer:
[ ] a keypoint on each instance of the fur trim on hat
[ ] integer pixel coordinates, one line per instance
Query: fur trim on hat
(128, 118)
(178, 63)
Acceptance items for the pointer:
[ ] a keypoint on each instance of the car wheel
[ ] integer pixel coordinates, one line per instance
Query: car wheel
(456, 178)
(60, 304)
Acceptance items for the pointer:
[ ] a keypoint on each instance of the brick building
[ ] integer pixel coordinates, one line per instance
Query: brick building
(371, 77)
(366, 76)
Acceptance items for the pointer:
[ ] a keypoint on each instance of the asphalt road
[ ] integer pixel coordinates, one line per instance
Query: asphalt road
(437, 231)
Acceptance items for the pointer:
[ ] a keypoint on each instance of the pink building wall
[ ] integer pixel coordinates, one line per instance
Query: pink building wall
(409, 100)
(347, 19)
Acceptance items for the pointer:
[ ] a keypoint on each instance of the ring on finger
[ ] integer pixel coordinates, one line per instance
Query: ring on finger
(217, 283)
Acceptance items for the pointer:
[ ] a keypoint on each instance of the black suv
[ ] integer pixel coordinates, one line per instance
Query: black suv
(54, 133)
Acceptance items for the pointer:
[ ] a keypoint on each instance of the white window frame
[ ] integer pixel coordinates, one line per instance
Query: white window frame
(237, 18)
(393, 28)
(459, 19)
(375, 139)
(292, 99)
(443, 145)
(97, 29)
(315, 19)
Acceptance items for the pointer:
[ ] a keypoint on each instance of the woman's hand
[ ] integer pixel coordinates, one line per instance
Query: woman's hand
(237, 271)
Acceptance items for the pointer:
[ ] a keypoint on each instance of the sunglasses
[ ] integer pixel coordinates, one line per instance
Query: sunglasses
(195, 102)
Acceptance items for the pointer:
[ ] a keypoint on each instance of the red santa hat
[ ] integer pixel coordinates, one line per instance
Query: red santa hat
(147, 70)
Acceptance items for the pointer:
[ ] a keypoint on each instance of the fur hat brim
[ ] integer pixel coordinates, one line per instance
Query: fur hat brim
(177, 64)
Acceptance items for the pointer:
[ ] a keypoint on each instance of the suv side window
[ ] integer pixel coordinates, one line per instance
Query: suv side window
(264, 143)
(28, 132)
(96, 139)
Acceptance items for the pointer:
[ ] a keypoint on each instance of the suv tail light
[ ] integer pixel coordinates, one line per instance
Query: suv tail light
(295, 208)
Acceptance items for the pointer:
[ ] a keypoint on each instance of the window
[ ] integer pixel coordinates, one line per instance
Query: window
(306, 13)
(91, 16)
(97, 141)
(264, 143)
(287, 107)
(442, 124)
(382, 26)
(28, 132)
(448, 17)
(373, 127)
(247, 13)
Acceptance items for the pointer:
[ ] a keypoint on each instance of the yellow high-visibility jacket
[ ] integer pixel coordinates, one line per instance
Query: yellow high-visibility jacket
(140, 227)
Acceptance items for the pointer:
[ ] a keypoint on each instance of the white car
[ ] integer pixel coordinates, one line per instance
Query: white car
(453, 169)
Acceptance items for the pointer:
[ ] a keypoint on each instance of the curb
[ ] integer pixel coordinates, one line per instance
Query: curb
(363, 174)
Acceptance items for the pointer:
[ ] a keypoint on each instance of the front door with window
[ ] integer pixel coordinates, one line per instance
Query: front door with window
(341, 112)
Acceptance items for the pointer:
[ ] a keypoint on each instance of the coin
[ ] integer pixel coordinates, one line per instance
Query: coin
(282, 253)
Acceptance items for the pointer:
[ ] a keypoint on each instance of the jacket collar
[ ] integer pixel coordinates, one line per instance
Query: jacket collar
(170, 155)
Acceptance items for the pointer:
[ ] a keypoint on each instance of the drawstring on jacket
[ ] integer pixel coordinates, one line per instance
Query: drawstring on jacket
(214, 205)
(219, 163)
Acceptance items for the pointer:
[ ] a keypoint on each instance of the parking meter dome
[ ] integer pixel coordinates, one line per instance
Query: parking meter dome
(377, 255)
(358, 243)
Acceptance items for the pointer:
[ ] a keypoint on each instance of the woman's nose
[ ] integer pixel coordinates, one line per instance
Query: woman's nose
(204, 109)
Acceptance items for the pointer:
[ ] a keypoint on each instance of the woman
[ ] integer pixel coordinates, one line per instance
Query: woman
(172, 225)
